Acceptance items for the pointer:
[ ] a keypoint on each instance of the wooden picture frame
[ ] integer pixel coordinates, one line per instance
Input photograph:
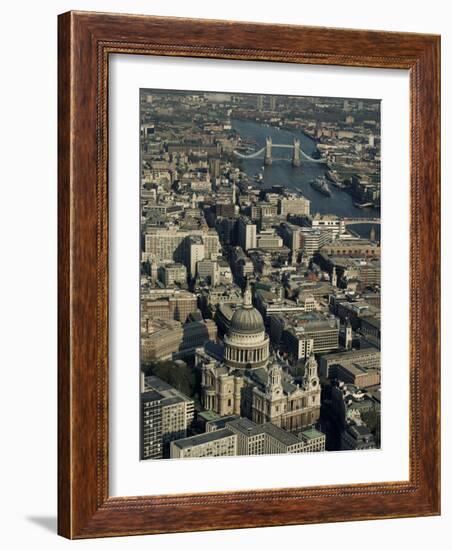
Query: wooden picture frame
(86, 40)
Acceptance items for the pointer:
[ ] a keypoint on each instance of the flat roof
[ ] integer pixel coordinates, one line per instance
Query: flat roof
(151, 395)
(281, 435)
(311, 433)
(246, 426)
(352, 355)
(172, 400)
(208, 416)
(221, 422)
(201, 439)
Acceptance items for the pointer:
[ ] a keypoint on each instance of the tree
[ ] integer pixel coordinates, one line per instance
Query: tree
(178, 375)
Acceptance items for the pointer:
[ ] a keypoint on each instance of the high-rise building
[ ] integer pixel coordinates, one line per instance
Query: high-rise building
(195, 253)
(226, 228)
(214, 167)
(177, 408)
(151, 443)
(246, 233)
(166, 415)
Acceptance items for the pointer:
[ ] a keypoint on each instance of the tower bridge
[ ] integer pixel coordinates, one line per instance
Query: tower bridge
(267, 151)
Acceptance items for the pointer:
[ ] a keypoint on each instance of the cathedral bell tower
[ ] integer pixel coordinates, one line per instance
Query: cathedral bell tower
(274, 385)
(311, 378)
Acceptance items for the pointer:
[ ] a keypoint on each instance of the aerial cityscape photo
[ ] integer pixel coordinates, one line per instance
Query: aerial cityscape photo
(260, 274)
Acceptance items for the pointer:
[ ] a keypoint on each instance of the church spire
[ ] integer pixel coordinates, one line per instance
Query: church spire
(334, 277)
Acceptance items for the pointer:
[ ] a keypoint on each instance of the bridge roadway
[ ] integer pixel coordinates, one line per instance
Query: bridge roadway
(279, 146)
(354, 221)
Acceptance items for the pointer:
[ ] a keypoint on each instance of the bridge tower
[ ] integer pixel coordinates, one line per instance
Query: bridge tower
(268, 151)
(296, 161)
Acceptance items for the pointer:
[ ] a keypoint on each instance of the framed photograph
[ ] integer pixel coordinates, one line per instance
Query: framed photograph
(249, 259)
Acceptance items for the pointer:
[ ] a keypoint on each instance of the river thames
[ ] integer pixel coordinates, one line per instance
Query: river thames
(281, 172)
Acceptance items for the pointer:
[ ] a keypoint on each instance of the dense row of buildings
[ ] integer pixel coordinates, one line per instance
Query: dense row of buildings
(271, 311)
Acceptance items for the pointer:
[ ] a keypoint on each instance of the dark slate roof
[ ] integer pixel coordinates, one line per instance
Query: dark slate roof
(281, 435)
(200, 439)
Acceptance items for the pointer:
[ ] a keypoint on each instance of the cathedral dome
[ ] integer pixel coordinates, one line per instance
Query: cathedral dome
(246, 345)
(247, 320)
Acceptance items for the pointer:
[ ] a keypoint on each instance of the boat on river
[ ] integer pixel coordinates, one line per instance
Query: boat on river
(320, 185)
(259, 177)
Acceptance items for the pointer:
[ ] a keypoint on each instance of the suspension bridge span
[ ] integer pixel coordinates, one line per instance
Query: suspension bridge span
(267, 152)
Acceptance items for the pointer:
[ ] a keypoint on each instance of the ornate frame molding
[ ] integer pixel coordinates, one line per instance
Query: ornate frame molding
(85, 42)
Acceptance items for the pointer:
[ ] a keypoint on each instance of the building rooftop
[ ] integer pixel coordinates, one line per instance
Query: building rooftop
(351, 355)
(208, 416)
(246, 426)
(164, 389)
(311, 433)
(281, 435)
(201, 439)
(151, 395)
(173, 400)
(357, 368)
(359, 431)
(218, 423)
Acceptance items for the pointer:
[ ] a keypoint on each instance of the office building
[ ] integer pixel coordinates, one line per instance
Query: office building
(171, 340)
(306, 333)
(368, 358)
(212, 444)
(194, 254)
(172, 274)
(294, 206)
(357, 437)
(246, 233)
(151, 443)
(162, 244)
(168, 304)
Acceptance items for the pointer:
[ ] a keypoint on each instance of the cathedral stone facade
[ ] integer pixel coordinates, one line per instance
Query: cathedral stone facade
(249, 382)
